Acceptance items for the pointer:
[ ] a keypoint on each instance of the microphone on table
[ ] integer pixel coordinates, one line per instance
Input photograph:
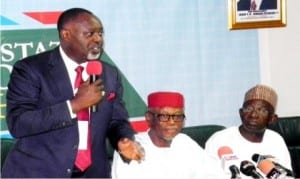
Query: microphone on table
(248, 169)
(94, 69)
(257, 158)
(235, 172)
(269, 169)
(229, 159)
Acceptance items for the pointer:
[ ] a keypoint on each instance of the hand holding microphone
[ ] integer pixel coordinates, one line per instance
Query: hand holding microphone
(94, 69)
(89, 93)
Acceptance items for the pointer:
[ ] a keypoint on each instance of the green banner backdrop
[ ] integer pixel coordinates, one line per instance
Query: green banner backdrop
(17, 44)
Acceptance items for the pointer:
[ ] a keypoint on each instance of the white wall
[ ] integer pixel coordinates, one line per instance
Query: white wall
(280, 61)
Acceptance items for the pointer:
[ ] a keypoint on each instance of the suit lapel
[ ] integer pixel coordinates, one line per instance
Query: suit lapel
(59, 76)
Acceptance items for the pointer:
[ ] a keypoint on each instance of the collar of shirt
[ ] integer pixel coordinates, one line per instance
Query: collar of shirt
(258, 3)
(71, 66)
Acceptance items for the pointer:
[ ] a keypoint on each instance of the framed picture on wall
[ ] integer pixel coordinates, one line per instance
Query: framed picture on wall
(247, 14)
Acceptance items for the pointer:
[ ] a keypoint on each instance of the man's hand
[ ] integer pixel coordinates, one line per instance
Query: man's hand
(131, 150)
(87, 95)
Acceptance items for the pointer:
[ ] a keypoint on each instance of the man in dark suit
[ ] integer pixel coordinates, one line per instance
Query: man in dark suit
(42, 107)
(245, 5)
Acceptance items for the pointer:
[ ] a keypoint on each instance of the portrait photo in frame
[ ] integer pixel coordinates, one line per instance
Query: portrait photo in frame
(244, 14)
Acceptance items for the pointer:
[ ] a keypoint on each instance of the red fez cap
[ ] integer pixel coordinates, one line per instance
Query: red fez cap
(165, 99)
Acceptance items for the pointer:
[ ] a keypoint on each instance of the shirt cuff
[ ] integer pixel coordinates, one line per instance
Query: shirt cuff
(70, 109)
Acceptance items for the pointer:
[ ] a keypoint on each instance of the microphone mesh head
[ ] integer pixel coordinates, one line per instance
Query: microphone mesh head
(94, 67)
(265, 166)
(247, 167)
(225, 150)
(255, 157)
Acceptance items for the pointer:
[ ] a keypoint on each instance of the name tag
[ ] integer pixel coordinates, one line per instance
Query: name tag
(83, 134)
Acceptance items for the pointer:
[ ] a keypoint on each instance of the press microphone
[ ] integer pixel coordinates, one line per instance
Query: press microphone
(248, 168)
(235, 172)
(257, 158)
(94, 69)
(269, 169)
(228, 159)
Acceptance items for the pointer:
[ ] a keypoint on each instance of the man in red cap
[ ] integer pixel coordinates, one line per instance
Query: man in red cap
(168, 153)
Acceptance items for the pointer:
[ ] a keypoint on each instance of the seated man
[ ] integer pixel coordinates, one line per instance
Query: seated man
(168, 153)
(252, 136)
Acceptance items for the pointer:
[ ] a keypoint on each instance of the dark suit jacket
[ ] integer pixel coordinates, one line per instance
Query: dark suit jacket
(244, 5)
(47, 136)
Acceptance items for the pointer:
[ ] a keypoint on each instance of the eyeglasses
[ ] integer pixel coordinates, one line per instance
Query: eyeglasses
(259, 111)
(167, 117)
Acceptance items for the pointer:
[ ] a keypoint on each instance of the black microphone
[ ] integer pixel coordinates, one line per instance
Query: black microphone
(248, 168)
(235, 172)
(257, 158)
(94, 69)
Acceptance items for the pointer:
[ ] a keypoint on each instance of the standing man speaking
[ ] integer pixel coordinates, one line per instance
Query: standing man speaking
(48, 100)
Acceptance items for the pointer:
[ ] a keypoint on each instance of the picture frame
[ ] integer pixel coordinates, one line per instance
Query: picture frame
(240, 16)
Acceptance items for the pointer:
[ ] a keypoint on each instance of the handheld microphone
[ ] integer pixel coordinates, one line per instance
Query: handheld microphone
(94, 69)
(257, 158)
(228, 159)
(235, 172)
(248, 168)
(268, 168)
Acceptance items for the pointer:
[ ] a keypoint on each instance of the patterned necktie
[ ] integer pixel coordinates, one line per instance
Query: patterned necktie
(253, 5)
(83, 159)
